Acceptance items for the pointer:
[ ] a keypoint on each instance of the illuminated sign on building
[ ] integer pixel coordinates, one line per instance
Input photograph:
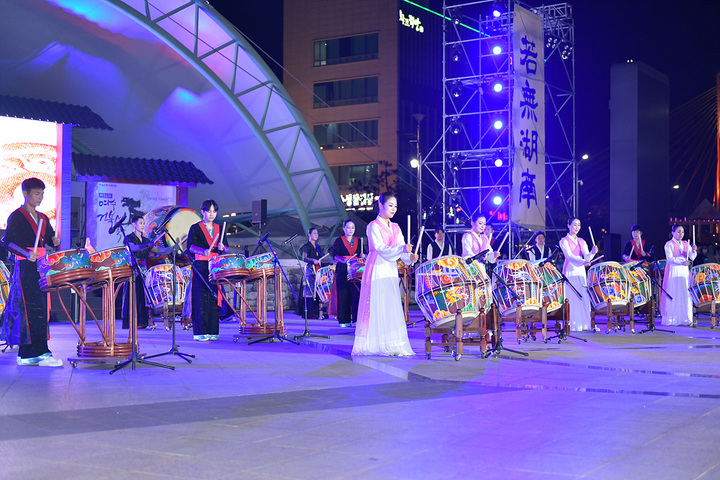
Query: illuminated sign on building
(411, 21)
(358, 200)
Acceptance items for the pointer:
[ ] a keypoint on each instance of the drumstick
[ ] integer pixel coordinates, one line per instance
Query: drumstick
(693, 234)
(215, 239)
(422, 230)
(591, 235)
(362, 244)
(222, 235)
(37, 235)
(408, 230)
(596, 259)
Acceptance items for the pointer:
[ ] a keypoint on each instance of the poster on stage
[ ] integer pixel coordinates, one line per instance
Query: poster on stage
(107, 202)
(528, 121)
(28, 148)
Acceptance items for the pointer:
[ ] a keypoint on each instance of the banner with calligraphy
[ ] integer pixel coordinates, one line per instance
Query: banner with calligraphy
(527, 206)
(108, 202)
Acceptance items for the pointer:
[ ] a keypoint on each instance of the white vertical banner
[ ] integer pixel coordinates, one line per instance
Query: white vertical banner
(527, 207)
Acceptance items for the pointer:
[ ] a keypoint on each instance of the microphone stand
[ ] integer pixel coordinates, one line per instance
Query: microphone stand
(300, 298)
(651, 327)
(174, 348)
(276, 333)
(498, 331)
(132, 311)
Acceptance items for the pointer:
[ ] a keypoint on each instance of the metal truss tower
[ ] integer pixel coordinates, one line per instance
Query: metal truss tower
(476, 166)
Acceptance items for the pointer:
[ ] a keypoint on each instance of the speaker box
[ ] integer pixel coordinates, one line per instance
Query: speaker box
(259, 211)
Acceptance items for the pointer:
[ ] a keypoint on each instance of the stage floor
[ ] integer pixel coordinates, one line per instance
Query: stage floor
(620, 406)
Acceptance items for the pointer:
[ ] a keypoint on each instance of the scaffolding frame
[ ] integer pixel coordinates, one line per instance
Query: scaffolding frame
(477, 159)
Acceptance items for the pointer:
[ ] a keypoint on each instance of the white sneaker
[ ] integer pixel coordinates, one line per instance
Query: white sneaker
(50, 362)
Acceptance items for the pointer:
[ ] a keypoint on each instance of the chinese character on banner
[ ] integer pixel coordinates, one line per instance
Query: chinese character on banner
(527, 207)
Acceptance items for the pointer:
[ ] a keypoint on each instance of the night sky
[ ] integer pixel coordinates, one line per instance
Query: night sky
(680, 39)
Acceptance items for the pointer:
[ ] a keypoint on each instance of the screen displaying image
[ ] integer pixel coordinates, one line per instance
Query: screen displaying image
(28, 148)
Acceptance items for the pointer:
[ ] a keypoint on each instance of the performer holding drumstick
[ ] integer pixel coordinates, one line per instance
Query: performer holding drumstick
(474, 241)
(204, 243)
(25, 321)
(346, 248)
(576, 257)
(381, 328)
(676, 280)
(312, 255)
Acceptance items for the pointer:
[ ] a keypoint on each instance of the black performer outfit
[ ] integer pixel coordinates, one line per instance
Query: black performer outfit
(634, 252)
(205, 312)
(25, 321)
(348, 293)
(315, 252)
(536, 252)
(142, 310)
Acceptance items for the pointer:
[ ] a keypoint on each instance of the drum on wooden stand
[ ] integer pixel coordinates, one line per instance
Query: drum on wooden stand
(552, 282)
(705, 289)
(261, 268)
(355, 269)
(640, 289)
(608, 283)
(231, 270)
(159, 283)
(523, 288)
(64, 268)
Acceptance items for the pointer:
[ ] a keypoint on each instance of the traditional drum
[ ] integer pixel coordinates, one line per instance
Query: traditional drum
(608, 282)
(177, 221)
(640, 290)
(230, 266)
(67, 266)
(111, 263)
(159, 282)
(705, 284)
(404, 268)
(522, 279)
(323, 283)
(445, 284)
(552, 282)
(4, 285)
(186, 273)
(355, 269)
(260, 265)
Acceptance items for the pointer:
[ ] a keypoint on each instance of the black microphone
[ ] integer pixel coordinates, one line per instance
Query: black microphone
(635, 266)
(476, 257)
(290, 239)
(550, 258)
(117, 224)
(263, 238)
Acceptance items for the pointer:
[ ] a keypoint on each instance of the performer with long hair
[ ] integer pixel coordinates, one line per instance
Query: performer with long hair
(381, 328)
(204, 243)
(577, 256)
(347, 293)
(475, 241)
(24, 320)
(676, 280)
(312, 255)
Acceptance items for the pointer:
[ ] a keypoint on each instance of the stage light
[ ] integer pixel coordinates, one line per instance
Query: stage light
(676, 187)
(585, 157)
(456, 54)
(497, 87)
(455, 127)
(497, 200)
(414, 163)
(496, 13)
(456, 90)
(498, 124)
(497, 50)
(498, 162)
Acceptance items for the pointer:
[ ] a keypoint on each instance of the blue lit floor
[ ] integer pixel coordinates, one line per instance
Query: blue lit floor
(620, 406)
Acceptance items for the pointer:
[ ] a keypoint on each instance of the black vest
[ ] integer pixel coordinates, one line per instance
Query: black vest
(436, 250)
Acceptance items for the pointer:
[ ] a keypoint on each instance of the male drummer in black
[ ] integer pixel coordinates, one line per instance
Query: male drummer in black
(142, 247)
(25, 321)
(201, 237)
(438, 248)
(636, 249)
(539, 250)
(311, 254)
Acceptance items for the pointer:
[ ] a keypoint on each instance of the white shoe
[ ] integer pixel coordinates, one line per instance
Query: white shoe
(50, 362)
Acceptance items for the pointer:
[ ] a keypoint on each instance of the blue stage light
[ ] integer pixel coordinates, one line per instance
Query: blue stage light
(498, 124)
(497, 50)
(497, 200)
(497, 88)
(496, 13)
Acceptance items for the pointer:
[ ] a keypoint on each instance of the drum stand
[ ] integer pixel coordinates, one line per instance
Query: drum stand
(276, 333)
(565, 334)
(299, 298)
(651, 325)
(174, 348)
(132, 311)
(498, 329)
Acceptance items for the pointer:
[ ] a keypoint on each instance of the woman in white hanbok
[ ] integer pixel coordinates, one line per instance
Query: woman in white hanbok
(381, 328)
(676, 280)
(576, 257)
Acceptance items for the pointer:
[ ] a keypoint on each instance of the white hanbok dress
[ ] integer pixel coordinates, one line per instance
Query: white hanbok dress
(381, 328)
(676, 281)
(576, 255)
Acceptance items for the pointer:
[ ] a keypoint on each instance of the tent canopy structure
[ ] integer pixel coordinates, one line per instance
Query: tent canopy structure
(176, 81)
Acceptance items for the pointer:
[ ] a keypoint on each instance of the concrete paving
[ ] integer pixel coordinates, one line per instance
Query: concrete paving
(621, 406)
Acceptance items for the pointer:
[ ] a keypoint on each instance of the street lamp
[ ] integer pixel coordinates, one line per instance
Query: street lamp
(418, 118)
